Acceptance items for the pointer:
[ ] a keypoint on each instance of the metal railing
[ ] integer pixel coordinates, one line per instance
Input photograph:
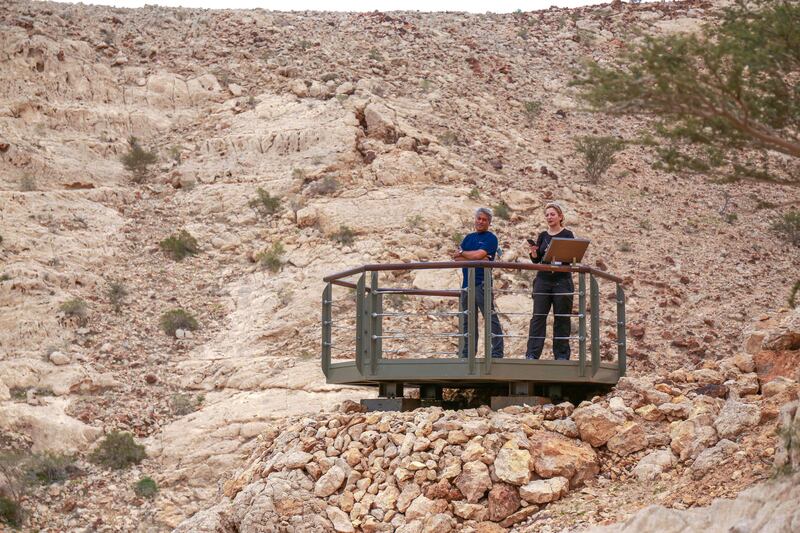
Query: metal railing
(356, 328)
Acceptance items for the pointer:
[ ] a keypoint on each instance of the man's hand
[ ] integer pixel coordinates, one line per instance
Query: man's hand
(457, 255)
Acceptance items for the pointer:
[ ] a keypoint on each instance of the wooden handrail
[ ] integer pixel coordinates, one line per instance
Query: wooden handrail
(465, 264)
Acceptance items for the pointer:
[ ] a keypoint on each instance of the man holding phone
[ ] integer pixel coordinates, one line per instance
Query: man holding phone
(477, 246)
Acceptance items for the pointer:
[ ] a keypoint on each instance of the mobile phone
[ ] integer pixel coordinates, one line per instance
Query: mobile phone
(531, 242)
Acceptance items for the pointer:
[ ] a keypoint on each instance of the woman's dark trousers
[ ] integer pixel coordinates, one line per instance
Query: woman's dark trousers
(497, 330)
(555, 293)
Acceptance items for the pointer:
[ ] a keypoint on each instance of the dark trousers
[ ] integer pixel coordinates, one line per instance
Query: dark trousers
(546, 294)
(497, 341)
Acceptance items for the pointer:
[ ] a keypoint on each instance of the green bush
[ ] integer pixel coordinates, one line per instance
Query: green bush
(75, 308)
(48, 468)
(531, 109)
(264, 203)
(10, 512)
(176, 319)
(344, 235)
(145, 487)
(457, 238)
(137, 161)
(793, 294)
(598, 154)
(117, 450)
(116, 294)
(788, 227)
(502, 211)
(474, 194)
(272, 258)
(183, 404)
(180, 245)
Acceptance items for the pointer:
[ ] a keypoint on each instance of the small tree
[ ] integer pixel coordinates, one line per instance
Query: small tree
(116, 294)
(138, 160)
(272, 258)
(722, 99)
(598, 154)
(264, 203)
(788, 227)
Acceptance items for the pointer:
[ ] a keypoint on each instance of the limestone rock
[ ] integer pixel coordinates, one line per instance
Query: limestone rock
(48, 426)
(650, 413)
(330, 481)
(341, 522)
(787, 452)
(59, 358)
(735, 417)
(513, 466)
(596, 424)
(630, 438)
(423, 507)
(675, 411)
(556, 456)
(652, 465)
(474, 481)
(380, 122)
(566, 427)
(710, 458)
(503, 501)
(545, 490)
(690, 437)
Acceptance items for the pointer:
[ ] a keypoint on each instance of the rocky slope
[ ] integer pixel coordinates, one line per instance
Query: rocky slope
(395, 125)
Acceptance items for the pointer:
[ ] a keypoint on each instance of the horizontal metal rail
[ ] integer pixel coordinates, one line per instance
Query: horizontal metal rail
(470, 264)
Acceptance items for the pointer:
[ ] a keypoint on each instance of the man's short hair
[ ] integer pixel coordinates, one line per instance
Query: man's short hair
(486, 211)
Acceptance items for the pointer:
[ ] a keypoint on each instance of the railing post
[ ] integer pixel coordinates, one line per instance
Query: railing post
(373, 323)
(327, 318)
(595, 302)
(622, 341)
(472, 320)
(487, 319)
(361, 338)
(582, 324)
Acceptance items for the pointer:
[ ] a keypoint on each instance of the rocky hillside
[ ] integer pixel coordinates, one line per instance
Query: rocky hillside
(380, 133)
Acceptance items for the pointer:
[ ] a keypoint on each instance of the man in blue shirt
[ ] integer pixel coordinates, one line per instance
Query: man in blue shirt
(478, 246)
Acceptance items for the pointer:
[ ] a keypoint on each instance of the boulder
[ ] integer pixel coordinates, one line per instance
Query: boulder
(503, 501)
(652, 465)
(735, 417)
(330, 481)
(711, 458)
(630, 438)
(474, 481)
(341, 522)
(690, 437)
(513, 466)
(596, 424)
(557, 456)
(544, 490)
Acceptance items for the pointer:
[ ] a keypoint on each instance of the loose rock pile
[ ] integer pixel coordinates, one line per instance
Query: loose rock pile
(483, 470)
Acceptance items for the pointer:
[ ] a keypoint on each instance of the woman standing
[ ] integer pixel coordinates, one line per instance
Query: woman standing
(550, 289)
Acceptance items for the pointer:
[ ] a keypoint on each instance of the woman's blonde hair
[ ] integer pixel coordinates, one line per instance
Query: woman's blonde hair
(558, 208)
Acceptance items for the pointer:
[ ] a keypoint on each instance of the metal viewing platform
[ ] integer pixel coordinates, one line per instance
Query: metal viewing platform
(376, 332)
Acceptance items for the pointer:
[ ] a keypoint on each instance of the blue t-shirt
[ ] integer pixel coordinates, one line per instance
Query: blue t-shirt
(479, 241)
